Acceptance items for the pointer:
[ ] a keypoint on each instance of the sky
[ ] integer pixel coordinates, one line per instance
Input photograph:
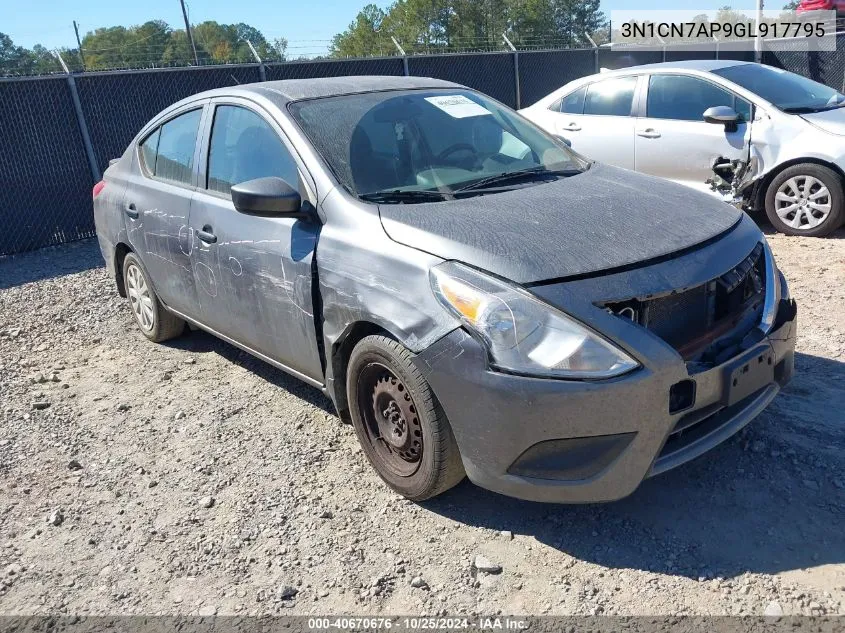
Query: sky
(307, 25)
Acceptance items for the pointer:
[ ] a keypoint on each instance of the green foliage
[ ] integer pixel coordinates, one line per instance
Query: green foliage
(151, 44)
(452, 25)
(17, 60)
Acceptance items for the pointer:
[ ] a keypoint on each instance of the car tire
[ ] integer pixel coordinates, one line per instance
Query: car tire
(154, 321)
(399, 422)
(788, 201)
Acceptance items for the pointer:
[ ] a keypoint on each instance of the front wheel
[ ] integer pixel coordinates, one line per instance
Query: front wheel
(806, 199)
(399, 422)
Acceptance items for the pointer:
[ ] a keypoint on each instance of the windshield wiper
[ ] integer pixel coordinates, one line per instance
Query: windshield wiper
(404, 195)
(804, 109)
(521, 174)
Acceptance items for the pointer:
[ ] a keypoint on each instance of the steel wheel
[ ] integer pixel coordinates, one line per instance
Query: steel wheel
(139, 298)
(803, 202)
(390, 419)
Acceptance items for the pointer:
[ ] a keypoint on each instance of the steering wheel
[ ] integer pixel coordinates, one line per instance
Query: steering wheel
(452, 149)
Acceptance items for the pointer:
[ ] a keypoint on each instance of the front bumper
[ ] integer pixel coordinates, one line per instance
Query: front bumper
(579, 442)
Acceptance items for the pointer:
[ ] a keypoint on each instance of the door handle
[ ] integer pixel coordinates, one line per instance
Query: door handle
(131, 211)
(206, 235)
(572, 127)
(649, 133)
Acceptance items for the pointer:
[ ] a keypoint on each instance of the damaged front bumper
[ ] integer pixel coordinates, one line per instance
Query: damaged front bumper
(579, 442)
(588, 441)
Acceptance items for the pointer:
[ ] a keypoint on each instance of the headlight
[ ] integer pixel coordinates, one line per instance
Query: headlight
(772, 299)
(523, 334)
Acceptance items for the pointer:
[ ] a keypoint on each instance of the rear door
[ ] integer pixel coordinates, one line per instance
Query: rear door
(253, 274)
(157, 205)
(598, 120)
(672, 139)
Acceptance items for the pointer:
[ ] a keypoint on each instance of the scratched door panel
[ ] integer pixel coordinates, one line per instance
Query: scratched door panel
(162, 238)
(254, 282)
(159, 197)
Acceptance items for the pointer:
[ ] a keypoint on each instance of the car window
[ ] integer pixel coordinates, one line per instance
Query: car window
(244, 147)
(178, 139)
(611, 97)
(149, 149)
(787, 91)
(686, 98)
(573, 103)
(743, 108)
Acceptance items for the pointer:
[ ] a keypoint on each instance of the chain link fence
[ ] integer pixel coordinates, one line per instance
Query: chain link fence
(822, 66)
(541, 72)
(59, 132)
(45, 181)
(335, 68)
(490, 73)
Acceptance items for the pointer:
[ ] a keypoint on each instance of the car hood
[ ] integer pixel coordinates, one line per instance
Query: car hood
(832, 121)
(602, 219)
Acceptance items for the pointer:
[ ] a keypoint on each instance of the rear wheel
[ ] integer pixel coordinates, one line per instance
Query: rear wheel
(806, 199)
(156, 323)
(399, 422)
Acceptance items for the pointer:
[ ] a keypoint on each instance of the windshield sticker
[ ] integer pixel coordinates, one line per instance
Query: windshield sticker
(458, 106)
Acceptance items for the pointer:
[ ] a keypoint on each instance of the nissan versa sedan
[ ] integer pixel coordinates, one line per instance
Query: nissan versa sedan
(762, 137)
(474, 297)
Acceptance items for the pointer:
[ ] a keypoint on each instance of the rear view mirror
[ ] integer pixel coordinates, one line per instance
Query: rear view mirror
(267, 196)
(722, 115)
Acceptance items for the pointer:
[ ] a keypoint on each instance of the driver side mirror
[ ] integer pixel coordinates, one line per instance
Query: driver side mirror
(267, 196)
(722, 115)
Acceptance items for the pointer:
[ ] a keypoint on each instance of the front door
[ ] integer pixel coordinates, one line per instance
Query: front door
(253, 274)
(673, 141)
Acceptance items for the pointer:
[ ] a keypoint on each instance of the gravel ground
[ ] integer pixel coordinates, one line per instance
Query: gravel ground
(189, 478)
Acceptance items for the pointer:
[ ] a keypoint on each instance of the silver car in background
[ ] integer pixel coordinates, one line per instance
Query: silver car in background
(759, 136)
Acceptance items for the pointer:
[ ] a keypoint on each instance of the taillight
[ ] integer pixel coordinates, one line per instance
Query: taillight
(98, 188)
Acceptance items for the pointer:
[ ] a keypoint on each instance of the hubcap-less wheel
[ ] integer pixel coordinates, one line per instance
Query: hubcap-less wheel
(139, 297)
(803, 202)
(390, 419)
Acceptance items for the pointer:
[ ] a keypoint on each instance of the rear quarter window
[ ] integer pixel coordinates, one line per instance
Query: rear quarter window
(148, 151)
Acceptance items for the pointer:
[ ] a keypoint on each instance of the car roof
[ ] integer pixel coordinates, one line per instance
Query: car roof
(287, 90)
(702, 65)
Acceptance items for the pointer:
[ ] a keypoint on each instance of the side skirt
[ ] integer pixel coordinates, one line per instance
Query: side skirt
(249, 350)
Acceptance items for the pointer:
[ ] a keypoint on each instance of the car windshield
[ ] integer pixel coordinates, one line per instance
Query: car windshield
(429, 145)
(788, 91)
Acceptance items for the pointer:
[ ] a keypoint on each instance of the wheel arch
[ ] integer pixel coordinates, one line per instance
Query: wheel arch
(766, 180)
(339, 356)
(121, 250)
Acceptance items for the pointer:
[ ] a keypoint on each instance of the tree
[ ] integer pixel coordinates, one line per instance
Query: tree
(280, 47)
(432, 25)
(362, 35)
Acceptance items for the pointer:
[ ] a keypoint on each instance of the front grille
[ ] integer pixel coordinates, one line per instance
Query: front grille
(678, 318)
(692, 319)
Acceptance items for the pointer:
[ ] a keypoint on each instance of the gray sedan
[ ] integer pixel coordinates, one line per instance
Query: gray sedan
(762, 137)
(475, 298)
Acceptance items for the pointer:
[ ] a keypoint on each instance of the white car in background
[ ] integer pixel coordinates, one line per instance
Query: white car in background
(762, 137)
